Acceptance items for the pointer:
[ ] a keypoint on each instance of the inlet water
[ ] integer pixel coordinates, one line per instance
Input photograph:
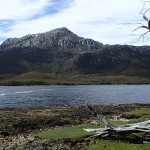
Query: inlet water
(37, 96)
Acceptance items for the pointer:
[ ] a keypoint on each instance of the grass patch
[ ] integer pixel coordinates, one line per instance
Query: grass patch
(137, 113)
(74, 132)
(110, 145)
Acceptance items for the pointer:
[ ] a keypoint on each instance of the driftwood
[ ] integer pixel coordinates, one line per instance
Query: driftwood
(110, 129)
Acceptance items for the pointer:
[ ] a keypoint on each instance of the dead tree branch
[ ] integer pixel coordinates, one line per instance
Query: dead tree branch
(143, 12)
(100, 118)
(110, 129)
(143, 26)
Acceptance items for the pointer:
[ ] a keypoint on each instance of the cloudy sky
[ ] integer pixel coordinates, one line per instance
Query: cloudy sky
(102, 20)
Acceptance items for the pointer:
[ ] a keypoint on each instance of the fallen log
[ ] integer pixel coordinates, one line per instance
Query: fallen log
(121, 129)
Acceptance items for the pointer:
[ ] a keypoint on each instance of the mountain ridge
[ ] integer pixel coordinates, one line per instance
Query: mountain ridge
(63, 36)
(62, 52)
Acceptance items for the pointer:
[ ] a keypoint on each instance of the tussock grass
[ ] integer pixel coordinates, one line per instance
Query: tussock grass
(137, 113)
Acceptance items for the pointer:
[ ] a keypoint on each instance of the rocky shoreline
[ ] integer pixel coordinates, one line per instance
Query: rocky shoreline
(19, 127)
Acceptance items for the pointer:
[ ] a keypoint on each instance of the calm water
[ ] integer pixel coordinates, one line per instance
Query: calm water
(33, 96)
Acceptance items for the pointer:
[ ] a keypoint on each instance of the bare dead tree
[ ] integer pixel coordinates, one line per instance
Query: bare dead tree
(143, 12)
(147, 27)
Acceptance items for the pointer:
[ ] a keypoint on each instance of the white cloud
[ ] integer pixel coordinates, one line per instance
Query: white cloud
(21, 9)
(96, 19)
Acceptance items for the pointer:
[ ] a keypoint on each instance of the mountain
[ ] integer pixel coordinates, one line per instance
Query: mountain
(62, 52)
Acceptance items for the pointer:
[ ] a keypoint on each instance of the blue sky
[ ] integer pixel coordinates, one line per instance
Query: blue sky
(102, 20)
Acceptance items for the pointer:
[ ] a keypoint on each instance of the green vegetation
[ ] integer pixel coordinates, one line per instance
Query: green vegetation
(118, 79)
(137, 113)
(36, 78)
(19, 83)
(110, 145)
(75, 132)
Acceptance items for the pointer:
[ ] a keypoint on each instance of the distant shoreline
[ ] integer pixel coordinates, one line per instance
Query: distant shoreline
(91, 79)
(128, 105)
(42, 82)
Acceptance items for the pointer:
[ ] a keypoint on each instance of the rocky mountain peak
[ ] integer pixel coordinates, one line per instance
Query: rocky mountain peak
(60, 38)
(62, 30)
